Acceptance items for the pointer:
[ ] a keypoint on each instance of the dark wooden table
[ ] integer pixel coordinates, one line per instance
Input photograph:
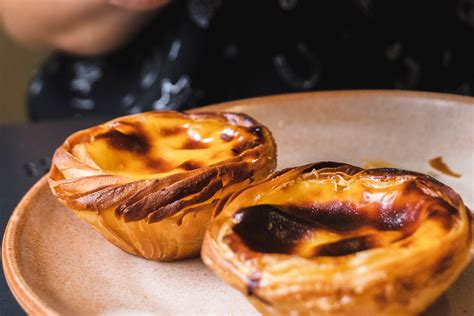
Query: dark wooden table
(25, 156)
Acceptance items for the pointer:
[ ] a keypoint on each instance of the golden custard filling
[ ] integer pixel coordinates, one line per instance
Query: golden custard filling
(159, 146)
(332, 216)
(336, 214)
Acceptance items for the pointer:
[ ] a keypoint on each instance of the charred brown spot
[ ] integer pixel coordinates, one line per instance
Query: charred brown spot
(256, 131)
(135, 142)
(446, 220)
(158, 164)
(191, 165)
(411, 187)
(347, 246)
(236, 172)
(267, 229)
(242, 146)
(444, 264)
(171, 131)
(412, 207)
(406, 284)
(335, 215)
(272, 229)
(176, 206)
(165, 196)
(402, 219)
(342, 216)
(381, 296)
(235, 243)
(195, 144)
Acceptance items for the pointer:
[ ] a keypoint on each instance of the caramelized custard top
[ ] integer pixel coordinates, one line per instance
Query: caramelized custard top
(336, 214)
(156, 145)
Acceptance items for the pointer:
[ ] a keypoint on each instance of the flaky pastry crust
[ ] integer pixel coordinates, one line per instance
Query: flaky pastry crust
(334, 239)
(149, 182)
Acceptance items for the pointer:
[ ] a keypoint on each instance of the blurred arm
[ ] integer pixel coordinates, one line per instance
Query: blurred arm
(85, 27)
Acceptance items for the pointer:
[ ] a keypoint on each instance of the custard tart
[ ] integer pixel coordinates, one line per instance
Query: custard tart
(334, 239)
(149, 182)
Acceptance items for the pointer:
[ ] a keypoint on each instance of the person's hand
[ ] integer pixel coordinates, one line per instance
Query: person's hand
(139, 4)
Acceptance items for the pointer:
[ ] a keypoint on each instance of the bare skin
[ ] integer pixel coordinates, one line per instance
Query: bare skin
(83, 27)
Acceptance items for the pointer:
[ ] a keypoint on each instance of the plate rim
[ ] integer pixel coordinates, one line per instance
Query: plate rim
(27, 298)
(269, 100)
(24, 295)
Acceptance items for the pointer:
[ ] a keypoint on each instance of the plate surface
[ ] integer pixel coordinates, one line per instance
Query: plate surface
(56, 264)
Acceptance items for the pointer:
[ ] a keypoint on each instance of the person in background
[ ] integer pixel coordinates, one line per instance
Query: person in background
(90, 27)
(117, 57)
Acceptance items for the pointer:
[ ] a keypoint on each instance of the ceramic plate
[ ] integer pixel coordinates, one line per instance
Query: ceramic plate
(56, 264)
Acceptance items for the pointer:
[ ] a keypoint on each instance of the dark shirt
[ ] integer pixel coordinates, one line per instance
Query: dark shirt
(200, 52)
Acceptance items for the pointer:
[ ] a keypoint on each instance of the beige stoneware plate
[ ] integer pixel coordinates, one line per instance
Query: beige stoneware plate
(56, 264)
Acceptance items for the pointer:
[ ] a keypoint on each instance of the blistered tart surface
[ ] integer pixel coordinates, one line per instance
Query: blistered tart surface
(334, 239)
(149, 182)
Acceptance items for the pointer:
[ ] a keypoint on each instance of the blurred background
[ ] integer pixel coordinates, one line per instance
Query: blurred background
(191, 53)
(17, 65)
